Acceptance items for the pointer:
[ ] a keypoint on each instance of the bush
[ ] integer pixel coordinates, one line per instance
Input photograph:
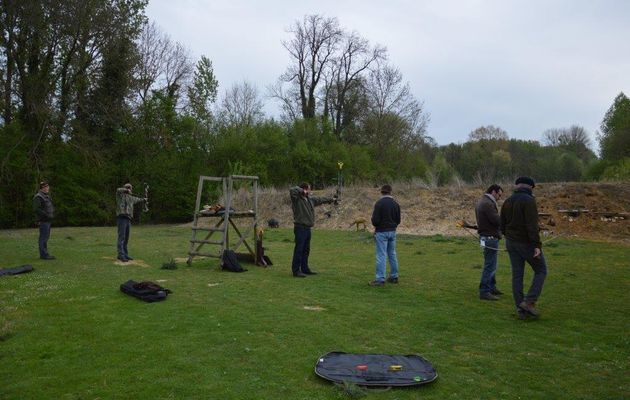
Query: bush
(619, 171)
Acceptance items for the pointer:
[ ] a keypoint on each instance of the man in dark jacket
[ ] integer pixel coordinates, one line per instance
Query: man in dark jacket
(45, 211)
(303, 205)
(385, 218)
(489, 230)
(519, 224)
(124, 214)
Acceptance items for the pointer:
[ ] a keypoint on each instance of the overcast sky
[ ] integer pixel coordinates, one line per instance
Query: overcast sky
(525, 66)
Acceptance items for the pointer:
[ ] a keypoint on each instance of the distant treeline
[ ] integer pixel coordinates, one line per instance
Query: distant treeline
(92, 95)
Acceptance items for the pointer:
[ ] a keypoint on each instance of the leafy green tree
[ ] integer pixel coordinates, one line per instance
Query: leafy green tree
(619, 171)
(489, 132)
(203, 91)
(614, 139)
(441, 172)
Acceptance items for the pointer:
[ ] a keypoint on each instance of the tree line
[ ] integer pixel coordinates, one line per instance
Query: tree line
(93, 94)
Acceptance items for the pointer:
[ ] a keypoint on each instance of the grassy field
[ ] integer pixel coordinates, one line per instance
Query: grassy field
(67, 332)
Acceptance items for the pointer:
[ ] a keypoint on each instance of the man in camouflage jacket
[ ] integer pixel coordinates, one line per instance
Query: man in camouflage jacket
(124, 214)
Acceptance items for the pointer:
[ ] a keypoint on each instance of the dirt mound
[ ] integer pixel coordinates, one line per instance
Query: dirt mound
(596, 211)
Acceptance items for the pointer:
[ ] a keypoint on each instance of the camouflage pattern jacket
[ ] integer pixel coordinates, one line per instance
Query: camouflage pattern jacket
(125, 202)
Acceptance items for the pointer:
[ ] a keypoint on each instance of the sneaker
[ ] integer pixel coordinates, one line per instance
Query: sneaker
(376, 283)
(310, 273)
(392, 280)
(529, 308)
(299, 275)
(496, 292)
(123, 259)
(488, 296)
(128, 258)
(48, 257)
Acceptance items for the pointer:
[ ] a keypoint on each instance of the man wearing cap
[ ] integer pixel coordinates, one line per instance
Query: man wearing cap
(44, 210)
(303, 206)
(385, 219)
(519, 224)
(489, 230)
(124, 211)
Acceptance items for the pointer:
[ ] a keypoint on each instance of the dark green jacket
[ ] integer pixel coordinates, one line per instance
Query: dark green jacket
(519, 218)
(304, 207)
(43, 207)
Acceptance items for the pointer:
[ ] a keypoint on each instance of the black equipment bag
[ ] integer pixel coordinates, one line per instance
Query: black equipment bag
(147, 291)
(229, 262)
(375, 369)
(17, 270)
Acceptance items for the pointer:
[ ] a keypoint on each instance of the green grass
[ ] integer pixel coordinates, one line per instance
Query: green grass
(67, 332)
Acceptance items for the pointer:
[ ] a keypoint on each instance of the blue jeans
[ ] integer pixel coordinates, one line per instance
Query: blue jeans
(301, 250)
(44, 235)
(488, 281)
(386, 248)
(519, 253)
(124, 224)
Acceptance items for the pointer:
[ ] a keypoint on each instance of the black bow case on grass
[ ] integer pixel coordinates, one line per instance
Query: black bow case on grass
(375, 369)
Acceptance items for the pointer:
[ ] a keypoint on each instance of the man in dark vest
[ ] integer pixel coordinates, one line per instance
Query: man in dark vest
(44, 211)
(124, 214)
(303, 205)
(519, 224)
(489, 230)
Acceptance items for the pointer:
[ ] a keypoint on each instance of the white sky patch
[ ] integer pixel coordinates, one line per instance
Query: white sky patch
(525, 66)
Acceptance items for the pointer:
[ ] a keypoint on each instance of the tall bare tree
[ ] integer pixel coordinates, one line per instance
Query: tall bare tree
(575, 138)
(393, 117)
(345, 73)
(241, 105)
(313, 46)
(163, 65)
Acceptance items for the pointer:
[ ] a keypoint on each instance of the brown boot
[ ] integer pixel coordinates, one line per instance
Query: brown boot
(529, 307)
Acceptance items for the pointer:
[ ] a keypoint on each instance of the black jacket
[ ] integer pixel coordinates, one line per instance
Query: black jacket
(386, 214)
(519, 218)
(488, 219)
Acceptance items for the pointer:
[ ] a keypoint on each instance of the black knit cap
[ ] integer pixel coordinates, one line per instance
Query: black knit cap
(526, 180)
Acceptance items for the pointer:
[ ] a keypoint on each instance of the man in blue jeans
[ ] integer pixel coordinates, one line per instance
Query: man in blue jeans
(519, 224)
(385, 218)
(489, 230)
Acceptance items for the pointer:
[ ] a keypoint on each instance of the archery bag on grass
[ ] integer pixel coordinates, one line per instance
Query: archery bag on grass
(229, 262)
(147, 291)
(17, 270)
